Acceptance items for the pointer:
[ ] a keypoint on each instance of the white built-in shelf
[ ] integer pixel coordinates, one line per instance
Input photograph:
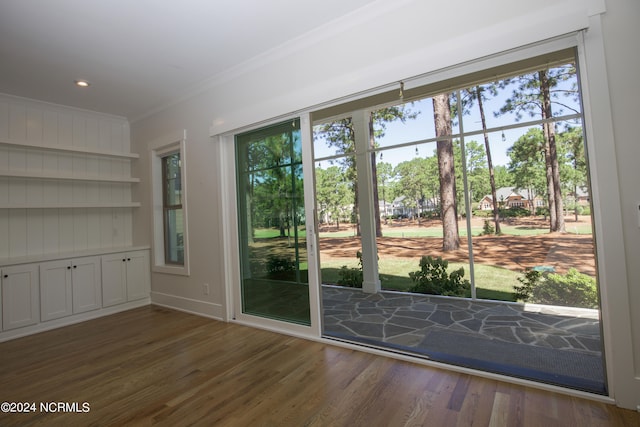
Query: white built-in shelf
(68, 149)
(25, 259)
(71, 205)
(66, 176)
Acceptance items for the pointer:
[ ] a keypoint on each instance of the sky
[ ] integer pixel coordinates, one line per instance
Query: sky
(423, 128)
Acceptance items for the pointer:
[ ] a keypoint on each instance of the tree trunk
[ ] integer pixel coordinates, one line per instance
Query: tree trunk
(446, 172)
(550, 141)
(575, 202)
(374, 175)
(551, 193)
(492, 179)
(353, 173)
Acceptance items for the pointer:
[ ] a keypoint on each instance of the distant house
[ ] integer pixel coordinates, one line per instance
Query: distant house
(399, 207)
(581, 196)
(509, 197)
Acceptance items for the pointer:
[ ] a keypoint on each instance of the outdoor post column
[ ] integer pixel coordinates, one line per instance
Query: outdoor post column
(364, 175)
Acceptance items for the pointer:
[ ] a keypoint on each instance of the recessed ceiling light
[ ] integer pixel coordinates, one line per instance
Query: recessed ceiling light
(82, 83)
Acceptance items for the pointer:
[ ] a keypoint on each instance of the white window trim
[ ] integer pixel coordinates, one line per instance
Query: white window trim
(158, 149)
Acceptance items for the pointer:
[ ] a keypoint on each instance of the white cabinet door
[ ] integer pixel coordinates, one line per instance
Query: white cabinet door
(20, 296)
(85, 277)
(114, 285)
(55, 290)
(138, 275)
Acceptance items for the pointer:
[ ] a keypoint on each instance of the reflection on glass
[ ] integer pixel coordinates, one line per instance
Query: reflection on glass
(173, 190)
(272, 219)
(174, 233)
(172, 207)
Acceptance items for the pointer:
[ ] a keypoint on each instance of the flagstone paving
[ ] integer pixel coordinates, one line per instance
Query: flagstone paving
(406, 320)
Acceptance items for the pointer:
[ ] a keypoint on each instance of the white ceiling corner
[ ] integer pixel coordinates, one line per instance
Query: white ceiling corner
(140, 55)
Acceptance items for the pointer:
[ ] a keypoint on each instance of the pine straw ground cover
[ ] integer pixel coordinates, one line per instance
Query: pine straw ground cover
(498, 260)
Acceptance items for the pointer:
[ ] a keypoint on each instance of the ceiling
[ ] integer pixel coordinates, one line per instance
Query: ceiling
(140, 55)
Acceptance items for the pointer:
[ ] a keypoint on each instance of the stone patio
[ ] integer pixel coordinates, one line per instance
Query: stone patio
(559, 345)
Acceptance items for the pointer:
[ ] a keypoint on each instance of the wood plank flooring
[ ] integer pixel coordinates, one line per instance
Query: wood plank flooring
(154, 366)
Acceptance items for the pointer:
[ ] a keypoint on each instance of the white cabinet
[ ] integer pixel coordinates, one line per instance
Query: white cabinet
(85, 278)
(138, 275)
(114, 279)
(45, 292)
(125, 277)
(69, 287)
(20, 296)
(55, 290)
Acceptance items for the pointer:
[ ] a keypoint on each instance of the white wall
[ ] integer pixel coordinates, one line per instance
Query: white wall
(379, 45)
(35, 232)
(205, 243)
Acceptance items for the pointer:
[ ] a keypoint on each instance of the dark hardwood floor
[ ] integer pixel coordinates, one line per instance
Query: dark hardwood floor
(157, 366)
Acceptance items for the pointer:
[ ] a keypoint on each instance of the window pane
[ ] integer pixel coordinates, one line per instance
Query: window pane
(333, 138)
(520, 98)
(173, 187)
(503, 197)
(408, 187)
(337, 211)
(272, 233)
(174, 233)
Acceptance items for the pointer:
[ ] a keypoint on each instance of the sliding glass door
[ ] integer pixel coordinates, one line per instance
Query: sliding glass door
(463, 220)
(271, 221)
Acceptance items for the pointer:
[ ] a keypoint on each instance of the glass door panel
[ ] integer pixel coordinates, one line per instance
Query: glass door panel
(494, 180)
(271, 217)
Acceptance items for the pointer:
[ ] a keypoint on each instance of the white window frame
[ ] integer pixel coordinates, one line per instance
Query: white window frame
(158, 149)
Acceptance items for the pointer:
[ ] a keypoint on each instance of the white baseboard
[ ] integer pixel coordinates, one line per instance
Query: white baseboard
(70, 320)
(188, 305)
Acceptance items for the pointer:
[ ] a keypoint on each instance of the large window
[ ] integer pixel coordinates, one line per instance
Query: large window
(477, 189)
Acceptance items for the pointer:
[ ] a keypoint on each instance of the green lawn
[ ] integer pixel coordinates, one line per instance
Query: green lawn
(491, 282)
(269, 233)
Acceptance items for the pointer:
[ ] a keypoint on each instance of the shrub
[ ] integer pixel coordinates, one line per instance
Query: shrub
(433, 279)
(514, 212)
(542, 211)
(277, 264)
(482, 213)
(529, 282)
(352, 277)
(488, 228)
(573, 289)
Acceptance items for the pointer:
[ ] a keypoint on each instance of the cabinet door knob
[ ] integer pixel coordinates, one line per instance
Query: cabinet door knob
(6, 275)
(124, 260)
(68, 267)
(128, 259)
(75, 266)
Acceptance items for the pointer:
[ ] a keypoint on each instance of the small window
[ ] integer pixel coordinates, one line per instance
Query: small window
(172, 209)
(169, 201)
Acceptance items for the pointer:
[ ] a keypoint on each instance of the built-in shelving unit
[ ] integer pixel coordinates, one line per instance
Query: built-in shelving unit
(65, 181)
(68, 149)
(71, 205)
(66, 177)
(66, 217)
